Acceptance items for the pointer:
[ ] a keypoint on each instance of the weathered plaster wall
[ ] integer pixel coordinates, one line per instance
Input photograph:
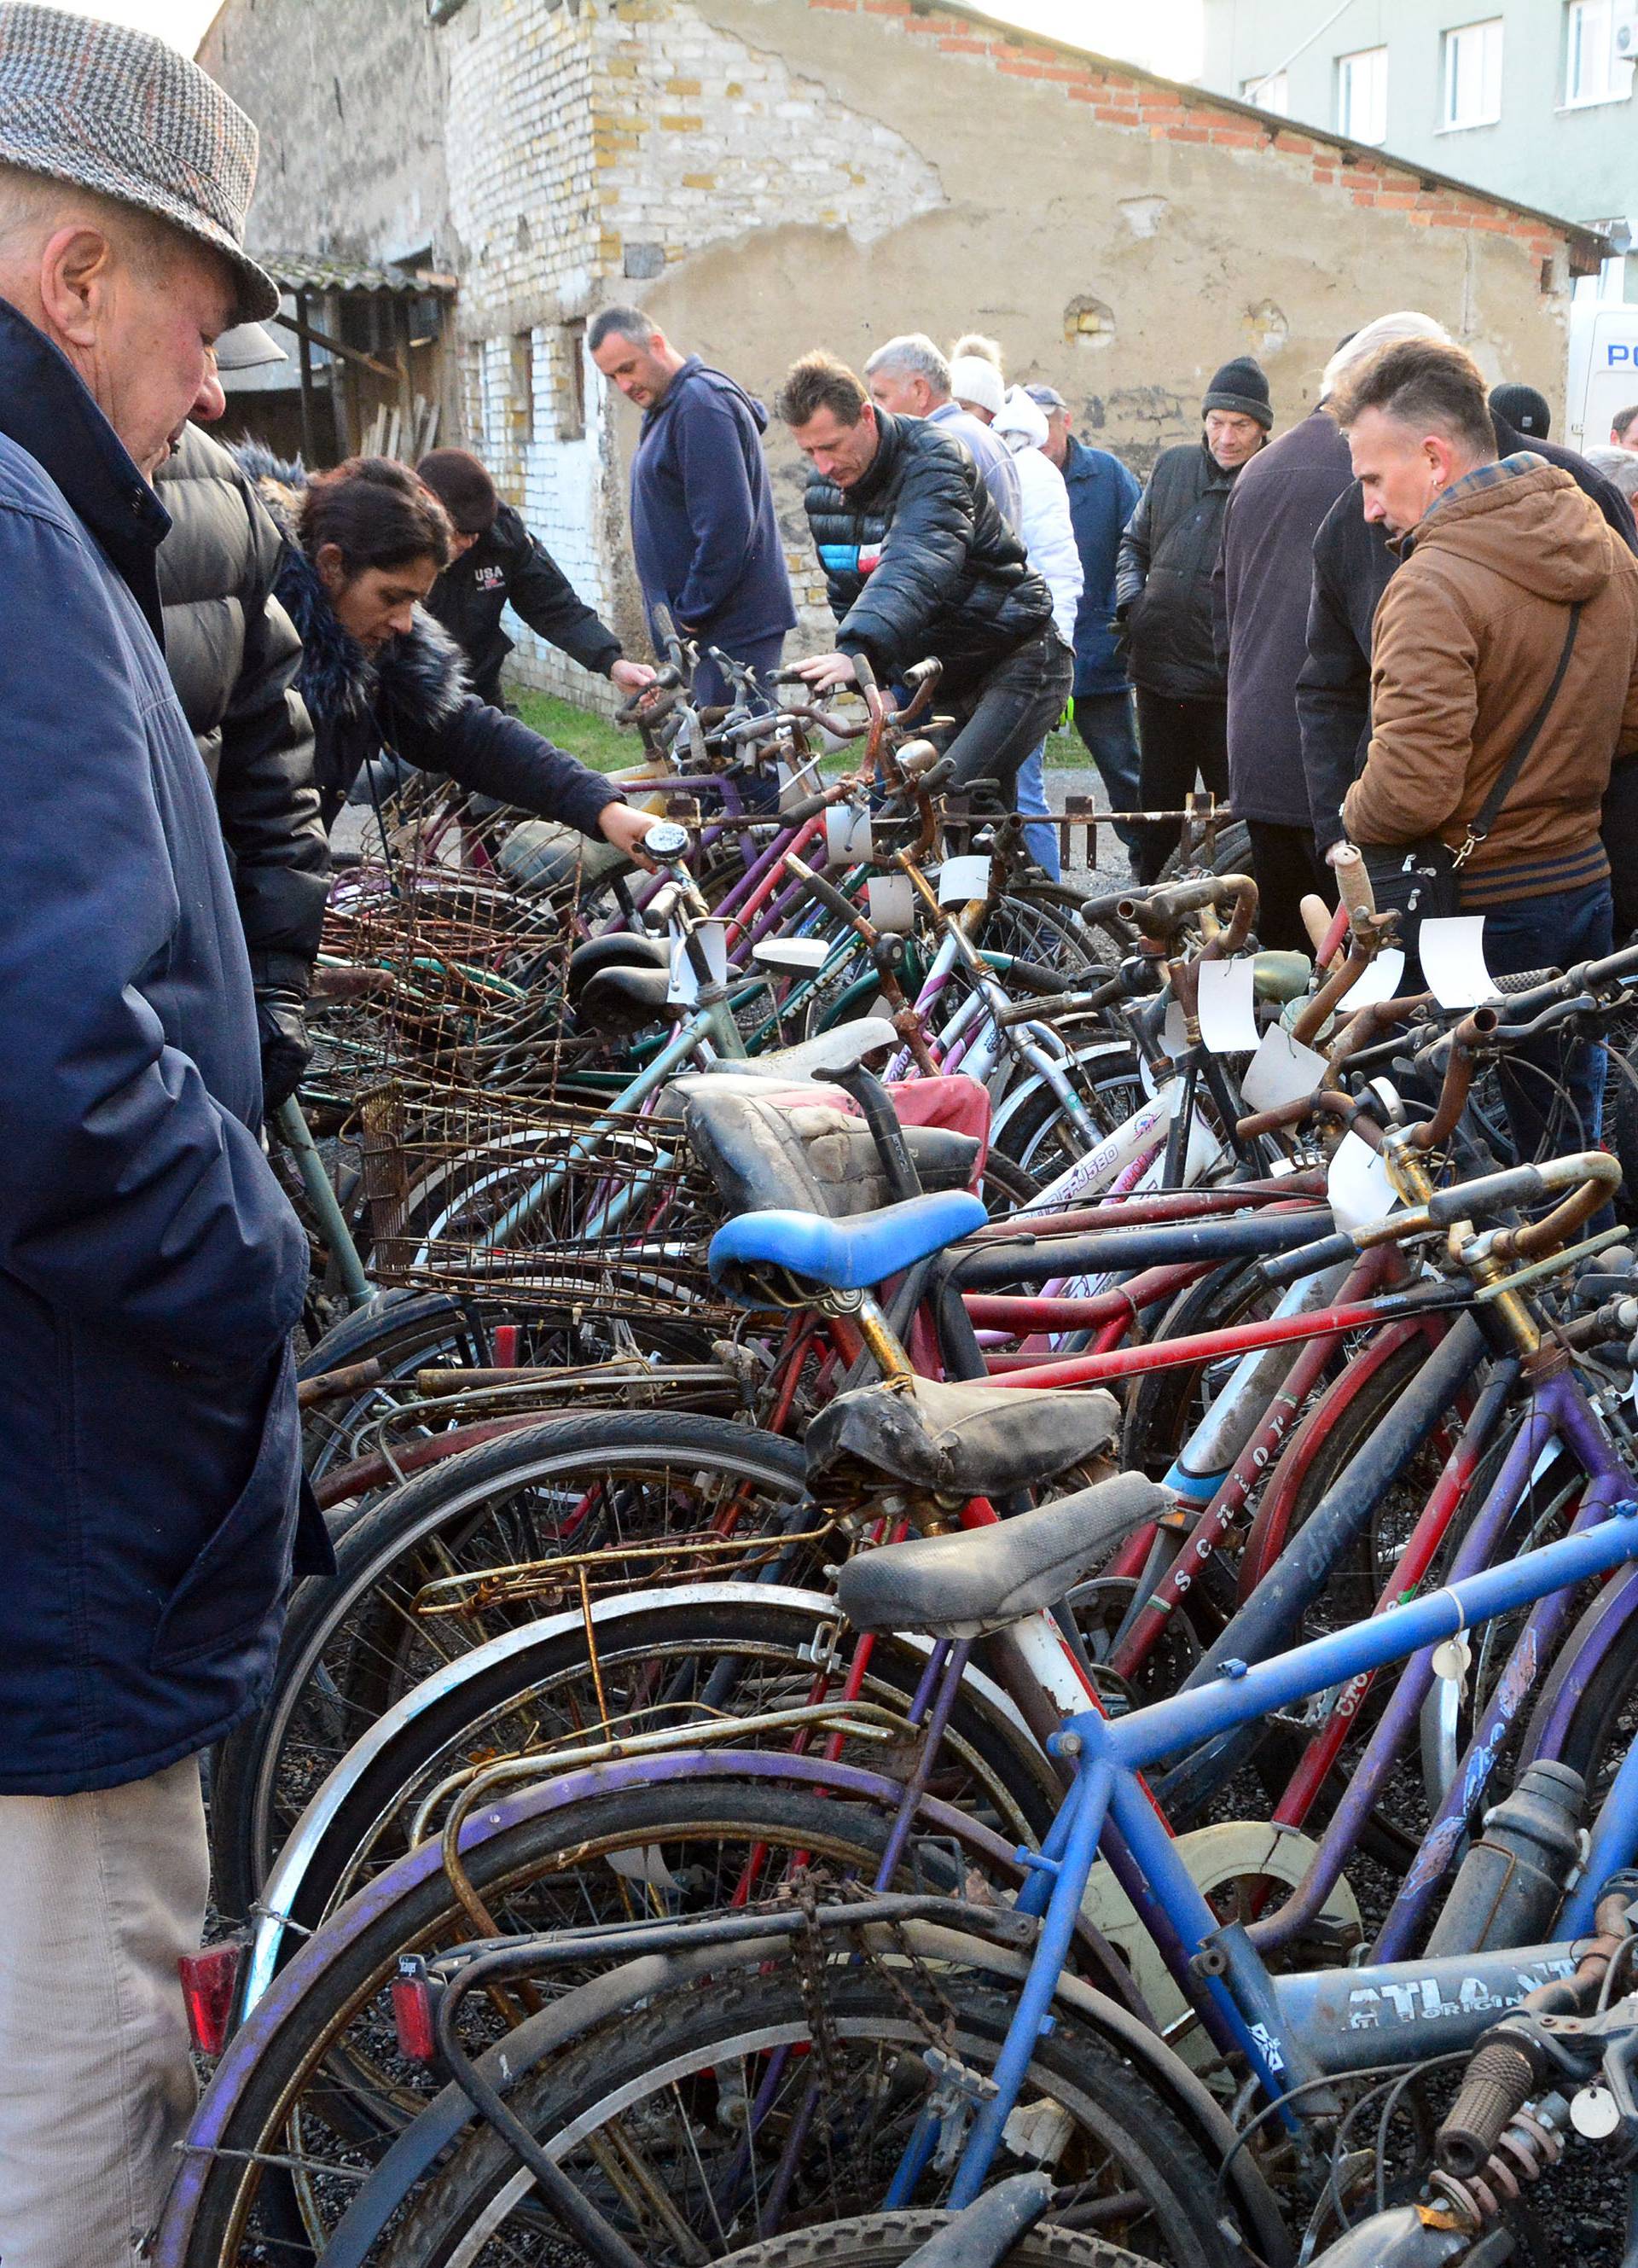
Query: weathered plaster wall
(349, 96)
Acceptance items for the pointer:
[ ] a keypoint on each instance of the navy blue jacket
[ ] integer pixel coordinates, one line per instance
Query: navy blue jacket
(150, 1268)
(702, 526)
(1103, 497)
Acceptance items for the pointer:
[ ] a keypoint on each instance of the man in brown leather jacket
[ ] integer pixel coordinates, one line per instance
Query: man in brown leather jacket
(1468, 638)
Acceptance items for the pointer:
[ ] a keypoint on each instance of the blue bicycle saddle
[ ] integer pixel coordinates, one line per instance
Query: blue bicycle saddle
(845, 1256)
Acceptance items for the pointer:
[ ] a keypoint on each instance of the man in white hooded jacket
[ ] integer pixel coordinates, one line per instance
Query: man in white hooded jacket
(1047, 534)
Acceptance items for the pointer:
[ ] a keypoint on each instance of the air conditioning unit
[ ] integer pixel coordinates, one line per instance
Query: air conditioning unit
(1624, 31)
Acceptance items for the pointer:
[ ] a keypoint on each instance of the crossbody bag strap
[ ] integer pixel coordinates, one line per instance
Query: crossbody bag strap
(1485, 818)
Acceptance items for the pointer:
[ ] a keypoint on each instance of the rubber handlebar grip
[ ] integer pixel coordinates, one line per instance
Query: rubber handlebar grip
(1353, 881)
(1500, 2080)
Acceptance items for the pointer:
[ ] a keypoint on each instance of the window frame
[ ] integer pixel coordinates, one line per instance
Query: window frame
(1452, 37)
(1377, 55)
(1574, 12)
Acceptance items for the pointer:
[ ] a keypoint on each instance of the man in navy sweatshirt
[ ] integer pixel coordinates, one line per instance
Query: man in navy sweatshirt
(702, 526)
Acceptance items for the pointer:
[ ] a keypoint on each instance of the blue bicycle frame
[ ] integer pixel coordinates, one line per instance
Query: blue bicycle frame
(1292, 2029)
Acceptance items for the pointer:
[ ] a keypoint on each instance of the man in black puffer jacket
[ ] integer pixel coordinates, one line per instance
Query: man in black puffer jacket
(919, 562)
(1163, 575)
(234, 657)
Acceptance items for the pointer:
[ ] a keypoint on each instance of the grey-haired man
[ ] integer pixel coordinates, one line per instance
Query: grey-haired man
(150, 1270)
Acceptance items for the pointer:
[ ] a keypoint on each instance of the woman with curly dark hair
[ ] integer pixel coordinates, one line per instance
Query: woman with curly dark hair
(367, 542)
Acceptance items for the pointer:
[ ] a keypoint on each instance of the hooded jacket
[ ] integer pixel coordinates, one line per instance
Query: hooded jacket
(1103, 497)
(507, 567)
(411, 698)
(1353, 565)
(1263, 583)
(151, 1268)
(234, 659)
(918, 560)
(1163, 576)
(1047, 530)
(1466, 641)
(991, 455)
(702, 526)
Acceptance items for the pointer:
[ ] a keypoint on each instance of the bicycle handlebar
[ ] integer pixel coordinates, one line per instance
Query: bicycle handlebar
(1498, 2082)
(1162, 913)
(1353, 881)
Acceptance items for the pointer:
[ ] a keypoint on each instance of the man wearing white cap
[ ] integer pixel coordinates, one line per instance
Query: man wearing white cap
(150, 1270)
(912, 378)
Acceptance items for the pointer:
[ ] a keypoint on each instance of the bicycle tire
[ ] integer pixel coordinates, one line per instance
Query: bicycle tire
(380, 1562)
(683, 2046)
(1109, 1086)
(330, 2007)
(887, 2240)
(986, 1761)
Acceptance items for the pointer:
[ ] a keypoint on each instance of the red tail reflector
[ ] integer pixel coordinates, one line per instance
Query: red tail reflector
(412, 2014)
(506, 1337)
(208, 1983)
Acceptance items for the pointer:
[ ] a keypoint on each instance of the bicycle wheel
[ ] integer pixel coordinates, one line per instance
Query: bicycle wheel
(884, 2240)
(798, 2075)
(313, 2090)
(664, 1663)
(1038, 1135)
(354, 1645)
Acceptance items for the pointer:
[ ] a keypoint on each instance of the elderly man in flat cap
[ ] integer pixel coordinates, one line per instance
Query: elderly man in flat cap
(150, 1271)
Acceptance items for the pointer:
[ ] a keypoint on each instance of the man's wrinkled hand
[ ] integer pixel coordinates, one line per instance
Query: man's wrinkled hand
(631, 676)
(825, 672)
(625, 827)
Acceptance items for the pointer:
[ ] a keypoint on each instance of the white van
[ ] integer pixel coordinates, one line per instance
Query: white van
(1602, 376)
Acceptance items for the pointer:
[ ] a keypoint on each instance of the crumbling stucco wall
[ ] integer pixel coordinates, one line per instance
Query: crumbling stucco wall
(1118, 244)
(348, 97)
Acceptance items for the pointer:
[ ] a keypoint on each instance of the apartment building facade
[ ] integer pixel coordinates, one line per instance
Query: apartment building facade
(1528, 99)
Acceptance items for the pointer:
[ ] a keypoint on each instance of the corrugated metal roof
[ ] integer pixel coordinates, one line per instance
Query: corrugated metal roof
(300, 271)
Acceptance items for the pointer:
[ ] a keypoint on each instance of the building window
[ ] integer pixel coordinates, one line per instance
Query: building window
(1362, 95)
(1472, 75)
(1592, 71)
(571, 421)
(520, 391)
(1271, 93)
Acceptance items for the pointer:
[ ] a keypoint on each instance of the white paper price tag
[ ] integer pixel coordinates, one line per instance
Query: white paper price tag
(1228, 1021)
(960, 881)
(890, 902)
(684, 991)
(1357, 1187)
(1282, 1069)
(797, 783)
(847, 838)
(1173, 1031)
(792, 956)
(1453, 962)
(1380, 981)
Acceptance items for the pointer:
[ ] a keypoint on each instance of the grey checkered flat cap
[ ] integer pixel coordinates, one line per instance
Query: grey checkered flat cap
(122, 112)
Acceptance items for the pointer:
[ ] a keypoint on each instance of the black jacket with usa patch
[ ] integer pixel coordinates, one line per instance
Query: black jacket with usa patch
(918, 561)
(508, 567)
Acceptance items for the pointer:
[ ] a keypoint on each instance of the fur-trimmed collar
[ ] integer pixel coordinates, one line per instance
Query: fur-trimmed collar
(422, 674)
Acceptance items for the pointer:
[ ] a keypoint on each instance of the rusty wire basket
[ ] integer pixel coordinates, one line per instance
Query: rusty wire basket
(557, 1207)
(437, 976)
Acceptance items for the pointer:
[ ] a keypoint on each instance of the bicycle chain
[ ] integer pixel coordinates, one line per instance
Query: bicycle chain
(941, 2038)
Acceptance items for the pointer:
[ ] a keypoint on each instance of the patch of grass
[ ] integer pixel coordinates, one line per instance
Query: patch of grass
(594, 739)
